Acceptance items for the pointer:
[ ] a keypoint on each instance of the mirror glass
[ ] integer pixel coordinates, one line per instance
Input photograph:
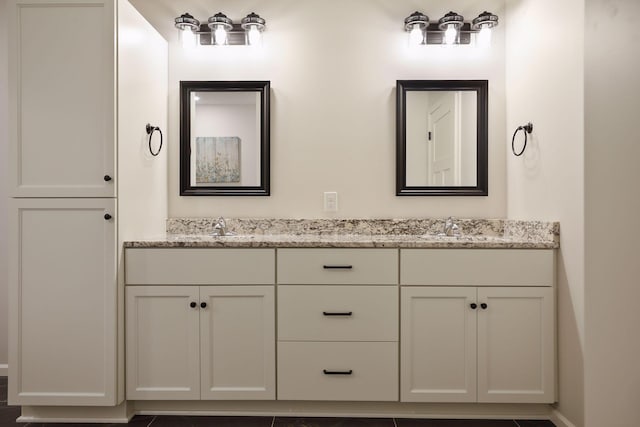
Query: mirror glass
(441, 137)
(224, 138)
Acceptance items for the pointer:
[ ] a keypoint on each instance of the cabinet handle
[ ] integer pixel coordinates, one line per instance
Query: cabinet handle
(337, 267)
(193, 304)
(473, 305)
(326, 372)
(107, 217)
(484, 306)
(107, 178)
(337, 313)
(203, 304)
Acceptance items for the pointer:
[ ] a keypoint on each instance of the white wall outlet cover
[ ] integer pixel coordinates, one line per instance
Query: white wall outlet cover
(330, 201)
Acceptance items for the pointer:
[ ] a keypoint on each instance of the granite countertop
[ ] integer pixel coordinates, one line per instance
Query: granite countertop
(354, 233)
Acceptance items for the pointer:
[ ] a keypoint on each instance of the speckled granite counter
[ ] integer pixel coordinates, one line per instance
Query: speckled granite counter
(354, 233)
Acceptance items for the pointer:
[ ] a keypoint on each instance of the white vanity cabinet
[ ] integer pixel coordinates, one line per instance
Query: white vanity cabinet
(463, 340)
(188, 342)
(338, 324)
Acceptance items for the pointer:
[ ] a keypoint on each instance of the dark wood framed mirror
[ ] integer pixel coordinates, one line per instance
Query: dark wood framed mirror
(442, 137)
(224, 138)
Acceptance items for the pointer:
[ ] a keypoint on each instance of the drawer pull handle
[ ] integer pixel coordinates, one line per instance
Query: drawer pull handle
(326, 372)
(337, 267)
(337, 313)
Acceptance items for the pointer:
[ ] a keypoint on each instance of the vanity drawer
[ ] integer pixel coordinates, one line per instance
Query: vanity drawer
(185, 266)
(477, 267)
(338, 313)
(357, 371)
(338, 266)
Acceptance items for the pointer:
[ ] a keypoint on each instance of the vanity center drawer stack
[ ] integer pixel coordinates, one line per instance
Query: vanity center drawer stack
(337, 324)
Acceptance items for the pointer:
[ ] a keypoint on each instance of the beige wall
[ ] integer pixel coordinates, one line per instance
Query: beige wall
(612, 176)
(545, 86)
(3, 186)
(333, 65)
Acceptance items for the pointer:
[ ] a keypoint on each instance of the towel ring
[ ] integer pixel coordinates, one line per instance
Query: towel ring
(150, 131)
(526, 129)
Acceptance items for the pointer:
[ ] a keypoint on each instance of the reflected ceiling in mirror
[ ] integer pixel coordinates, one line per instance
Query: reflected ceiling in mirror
(441, 145)
(224, 138)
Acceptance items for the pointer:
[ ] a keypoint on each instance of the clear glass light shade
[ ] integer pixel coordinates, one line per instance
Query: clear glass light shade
(254, 36)
(450, 34)
(220, 35)
(188, 39)
(484, 37)
(416, 36)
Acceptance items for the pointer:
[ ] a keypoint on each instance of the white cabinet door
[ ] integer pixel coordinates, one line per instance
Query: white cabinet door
(62, 92)
(162, 329)
(438, 344)
(516, 345)
(237, 345)
(62, 306)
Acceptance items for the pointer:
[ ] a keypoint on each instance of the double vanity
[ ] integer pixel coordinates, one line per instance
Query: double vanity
(314, 311)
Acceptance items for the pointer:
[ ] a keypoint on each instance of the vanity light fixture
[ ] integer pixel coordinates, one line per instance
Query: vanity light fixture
(220, 30)
(451, 29)
(451, 23)
(416, 24)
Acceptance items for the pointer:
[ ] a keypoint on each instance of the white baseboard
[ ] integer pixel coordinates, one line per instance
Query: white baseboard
(560, 420)
(4, 370)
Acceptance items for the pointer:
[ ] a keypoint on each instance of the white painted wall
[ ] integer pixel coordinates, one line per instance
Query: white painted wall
(612, 176)
(4, 191)
(333, 103)
(545, 77)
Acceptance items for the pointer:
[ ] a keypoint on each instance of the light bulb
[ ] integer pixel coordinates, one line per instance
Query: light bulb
(188, 38)
(254, 36)
(484, 37)
(450, 34)
(416, 36)
(220, 35)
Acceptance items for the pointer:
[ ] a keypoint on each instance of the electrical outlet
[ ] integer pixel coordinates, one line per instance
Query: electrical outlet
(330, 201)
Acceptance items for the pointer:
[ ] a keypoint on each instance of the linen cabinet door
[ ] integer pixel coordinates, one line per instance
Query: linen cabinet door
(62, 302)
(237, 342)
(62, 96)
(516, 345)
(438, 344)
(162, 336)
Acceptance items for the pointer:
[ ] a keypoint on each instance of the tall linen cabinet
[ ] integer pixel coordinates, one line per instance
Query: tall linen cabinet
(86, 76)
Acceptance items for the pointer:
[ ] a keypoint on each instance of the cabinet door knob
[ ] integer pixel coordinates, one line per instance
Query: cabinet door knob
(107, 178)
(473, 305)
(107, 217)
(203, 304)
(193, 304)
(484, 306)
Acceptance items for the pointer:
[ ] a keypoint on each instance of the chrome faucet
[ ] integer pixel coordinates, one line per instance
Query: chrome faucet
(220, 229)
(450, 227)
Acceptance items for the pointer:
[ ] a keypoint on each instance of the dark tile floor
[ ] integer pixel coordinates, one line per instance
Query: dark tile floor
(8, 415)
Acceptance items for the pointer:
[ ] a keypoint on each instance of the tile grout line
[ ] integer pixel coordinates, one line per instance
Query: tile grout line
(152, 420)
(395, 424)
(517, 423)
(273, 421)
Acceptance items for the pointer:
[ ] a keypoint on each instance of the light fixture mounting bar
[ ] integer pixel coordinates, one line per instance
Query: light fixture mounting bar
(436, 36)
(235, 36)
